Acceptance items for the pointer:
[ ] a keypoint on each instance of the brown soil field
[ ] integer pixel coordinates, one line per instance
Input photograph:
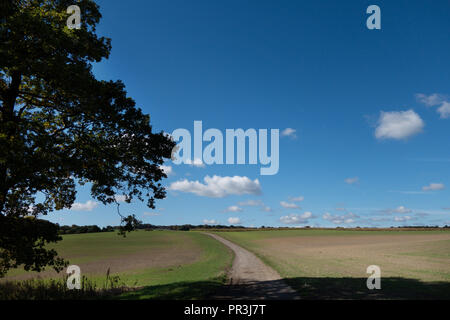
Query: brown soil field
(154, 250)
(418, 256)
(333, 264)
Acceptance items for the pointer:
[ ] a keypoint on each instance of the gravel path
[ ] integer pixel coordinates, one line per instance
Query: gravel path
(251, 279)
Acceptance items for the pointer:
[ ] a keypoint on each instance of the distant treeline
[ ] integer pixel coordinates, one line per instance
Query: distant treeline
(74, 229)
(84, 229)
(145, 226)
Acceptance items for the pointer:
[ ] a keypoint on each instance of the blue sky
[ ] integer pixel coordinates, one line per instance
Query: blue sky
(370, 108)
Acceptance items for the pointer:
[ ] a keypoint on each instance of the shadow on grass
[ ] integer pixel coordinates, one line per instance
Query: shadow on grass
(176, 291)
(355, 288)
(307, 288)
(57, 289)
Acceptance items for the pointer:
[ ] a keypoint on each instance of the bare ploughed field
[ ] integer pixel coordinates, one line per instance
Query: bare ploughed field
(169, 265)
(96, 253)
(322, 264)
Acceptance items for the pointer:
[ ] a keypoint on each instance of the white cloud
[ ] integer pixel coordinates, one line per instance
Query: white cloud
(87, 206)
(206, 221)
(433, 187)
(288, 205)
(444, 110)
(255, 203)
(297, 199)
(218, 187)
(410, 192)
(401, 209)
(167, 169)
(431, 100)
(151, 214)
(289, 132)
(436, 99)
(251, 203)
(233, 209)
(234, 220)
(295, 218)
(352, 180)
(196, 163)
(422, 214)
(120, 198)
(402, 219)
(340, 219)
(398, 125)
(378, 219)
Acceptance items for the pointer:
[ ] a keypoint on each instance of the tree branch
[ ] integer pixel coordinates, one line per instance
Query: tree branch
(11, 94)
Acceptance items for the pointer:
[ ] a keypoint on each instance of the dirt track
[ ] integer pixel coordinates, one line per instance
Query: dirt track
(251, 279)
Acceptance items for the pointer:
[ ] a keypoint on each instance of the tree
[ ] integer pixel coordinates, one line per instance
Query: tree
(60, 126)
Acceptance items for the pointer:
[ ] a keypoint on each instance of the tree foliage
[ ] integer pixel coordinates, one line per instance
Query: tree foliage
(60, 126)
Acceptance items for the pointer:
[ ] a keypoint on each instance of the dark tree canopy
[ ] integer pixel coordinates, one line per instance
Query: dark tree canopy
(59, 126)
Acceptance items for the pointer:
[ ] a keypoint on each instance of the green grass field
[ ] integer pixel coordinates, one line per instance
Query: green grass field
(319, 264)
(324, 264)
(161, 264)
